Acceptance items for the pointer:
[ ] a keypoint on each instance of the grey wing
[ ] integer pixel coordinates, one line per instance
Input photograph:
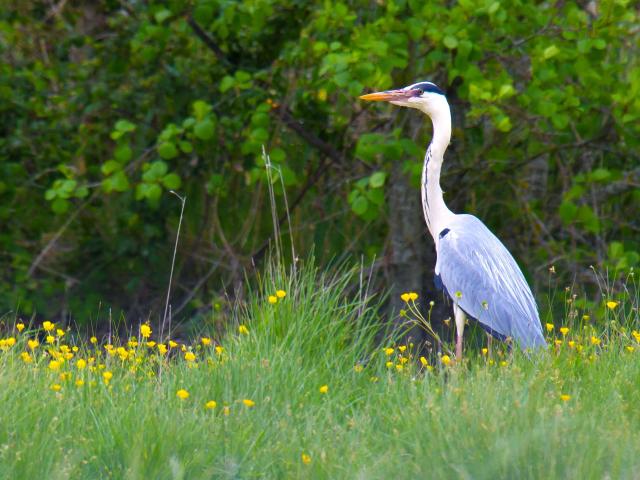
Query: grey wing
(482, 277)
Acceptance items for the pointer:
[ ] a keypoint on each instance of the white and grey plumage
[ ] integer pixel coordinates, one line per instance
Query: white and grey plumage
(473, 266)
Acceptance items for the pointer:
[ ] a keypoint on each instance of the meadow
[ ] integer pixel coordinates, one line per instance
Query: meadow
(304, 384)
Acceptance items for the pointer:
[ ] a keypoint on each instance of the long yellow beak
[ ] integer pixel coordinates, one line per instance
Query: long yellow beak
(388, 96)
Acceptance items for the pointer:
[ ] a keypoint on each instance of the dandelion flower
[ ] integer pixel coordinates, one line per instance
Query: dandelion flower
(485, 351)
(55, 387)
(405, 297)
(630, 349)
(151, 344)
(219, 349)
(48, 326)
(162, 348)
(54, 365)
(79, 382)
(424, 362)
(172, 344)
(93, 340)
(281, 293)
(564, 331)
(272, 299)
(611, 305)
(210, 405)
(595, 340)
(182, 394)
(549, 327)
(190, 356)
(358, 368)
(51, 339)
(20, 327)
(60, 332)
(503, 363)
(399, 367)
(413, 296)
(585, 317)
(388, 351)
(33, 344)
(243, 330)
(565, 398)
(324, 389)
(571, 343)
(81, 364)
(107, 376)
(206, 341)
(389, 364)
(26, 357)
(145, 330)
(445, 360)
(402, 348)
(306, 459)
(248, 403)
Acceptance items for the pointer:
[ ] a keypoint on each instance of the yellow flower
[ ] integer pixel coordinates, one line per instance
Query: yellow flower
(445, 360)
(503, 363)
(458, 294)
(48, 326)
(93, 340)
(564, 331)
(107, 376)
(219, 349)
(189, 356)
(413, 296)
(182, 394)
(79, 382)
(358, 368)
(81, 364)
(388, 351)
(389, 364)
(54, 365)
(206, 341)
(565, 398)
(424, 362)
(51, 339)
(33, 344)
(20, 327)
(172, 344)
(281, 293)
(210, 405)
(324, 389)
(60, 332)
(549, 327)
(571, 343)
(151, 344)
(64, 376)
(162, 348)
(485, 351)
(630, 349)
(272, 299)
(55, 387)
(243, 330)
(405, 297)
(26, 357)
(226, 411)
(595, 340)
(145, 330)
(636, 335)
(558, 342)
(585, 317)
(402, 348)
(611, 304)
(306, 459)
(399, 367)
(248, 403)
(10, 342)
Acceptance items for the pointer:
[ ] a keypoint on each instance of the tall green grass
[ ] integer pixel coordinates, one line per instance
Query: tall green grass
(499, 417)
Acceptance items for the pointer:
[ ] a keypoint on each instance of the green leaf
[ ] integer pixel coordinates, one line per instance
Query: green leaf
(123, 153)
(162, 15)
(201, 109)
(60, 205)
(109, 167)
(171, 181)
(185, 146)
(600, 175)
(616, 250)
(204, 130)
(227, 83)
(277, 155)
(550, 52)
(125, 126)
(567, 211)
(360, 205)
(377, 179)
(450, 42)
(167, 150)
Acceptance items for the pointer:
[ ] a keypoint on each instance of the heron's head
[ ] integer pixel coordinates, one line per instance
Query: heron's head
(425, 96)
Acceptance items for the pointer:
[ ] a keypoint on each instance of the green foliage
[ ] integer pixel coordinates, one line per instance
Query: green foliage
(106, 107)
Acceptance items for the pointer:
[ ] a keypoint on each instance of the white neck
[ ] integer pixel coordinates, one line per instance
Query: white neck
(436, 213)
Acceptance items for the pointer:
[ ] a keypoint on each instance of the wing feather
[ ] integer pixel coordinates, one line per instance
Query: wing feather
(482, 277)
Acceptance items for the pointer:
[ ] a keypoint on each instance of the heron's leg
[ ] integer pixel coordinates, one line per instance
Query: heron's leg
(461, 318)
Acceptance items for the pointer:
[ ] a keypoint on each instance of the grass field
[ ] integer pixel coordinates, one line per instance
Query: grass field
(300, 388)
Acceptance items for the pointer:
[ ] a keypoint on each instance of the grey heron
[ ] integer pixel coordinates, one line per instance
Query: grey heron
(473, 267)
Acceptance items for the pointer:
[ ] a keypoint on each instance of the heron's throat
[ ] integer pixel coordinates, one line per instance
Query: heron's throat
(436, 213)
